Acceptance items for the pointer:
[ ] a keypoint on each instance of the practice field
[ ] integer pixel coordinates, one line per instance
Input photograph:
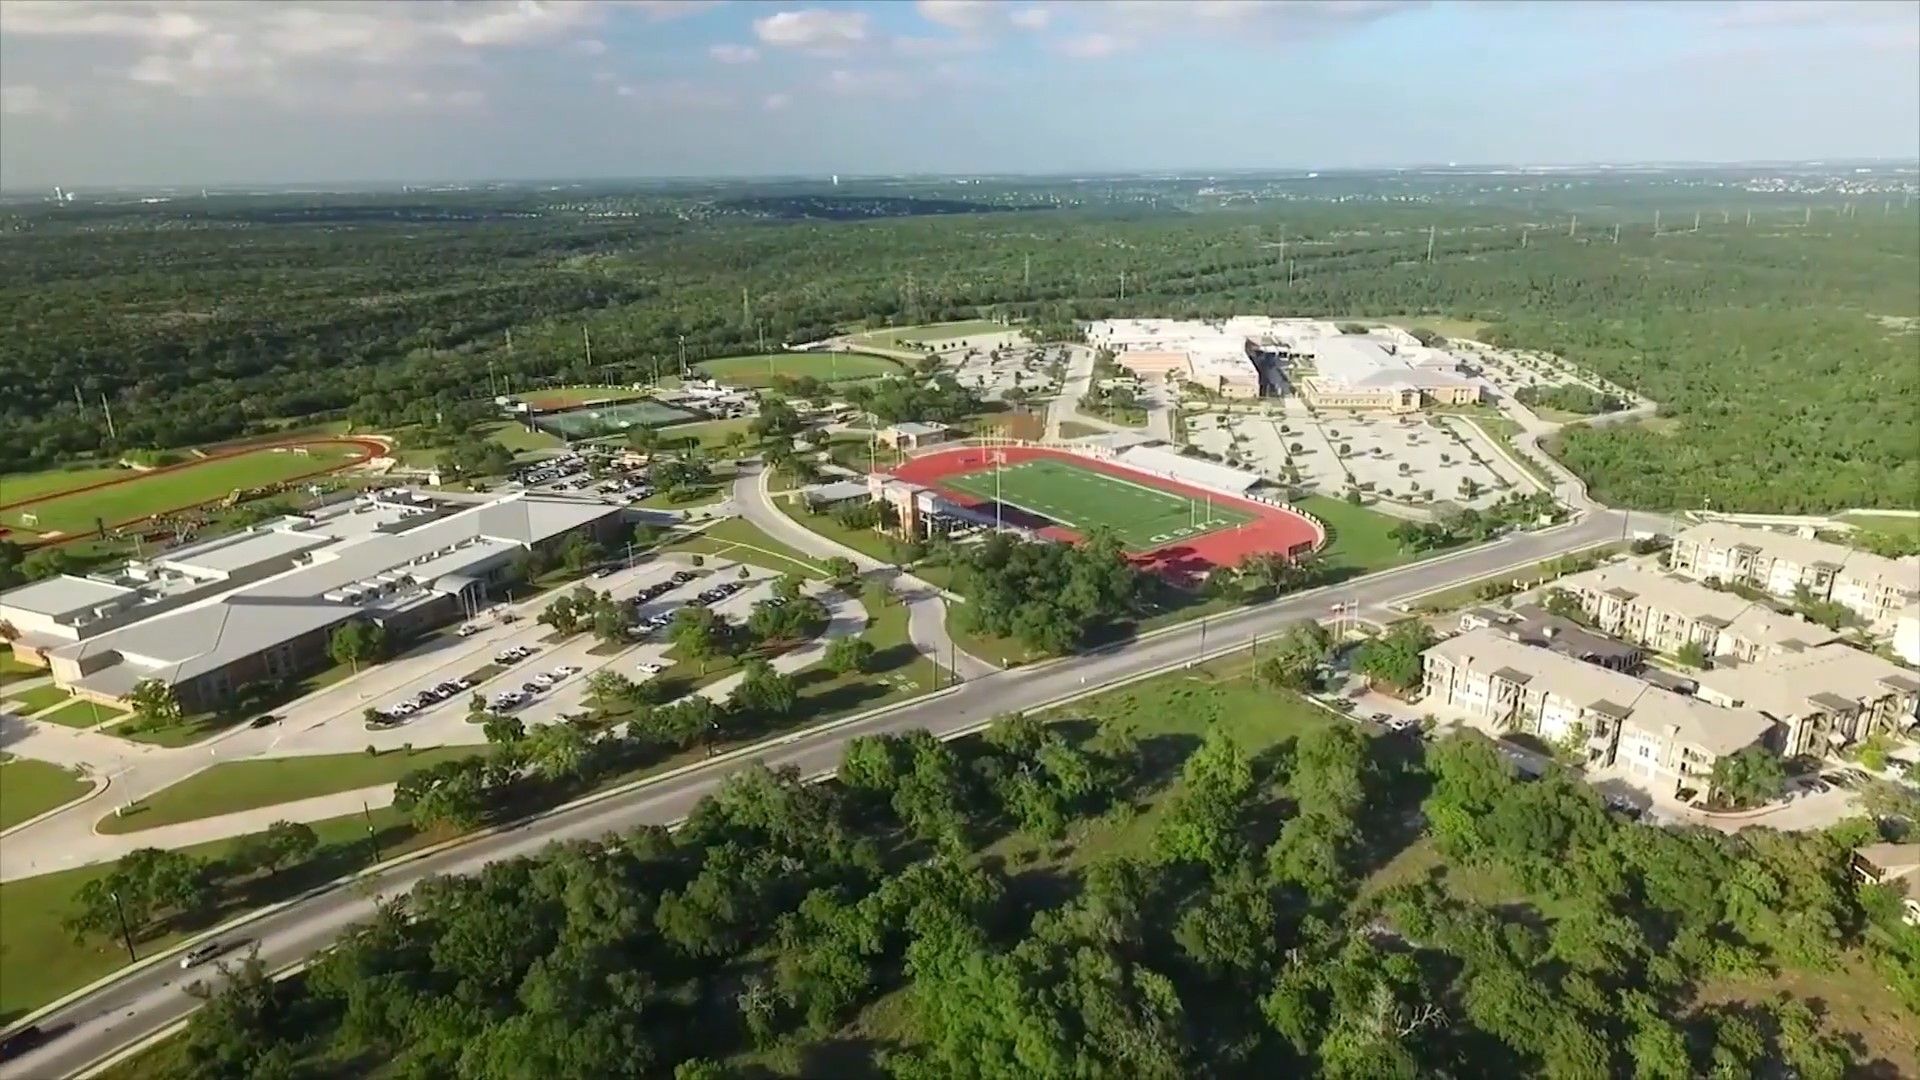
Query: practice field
(953, 331)
(566, 397)
(610, 419)
(129, 496)
(1081, 499)
(825, 366)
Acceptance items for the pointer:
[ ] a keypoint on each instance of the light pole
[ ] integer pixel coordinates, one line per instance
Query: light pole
(126, 935)
(373, 838)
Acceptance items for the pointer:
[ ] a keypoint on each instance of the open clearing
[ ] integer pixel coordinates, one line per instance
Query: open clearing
(15, 487)
(173, 489)
(566, 397)
(1083, 499)
(31, 788)
(233, 786)
(894, 336)
(826, 366)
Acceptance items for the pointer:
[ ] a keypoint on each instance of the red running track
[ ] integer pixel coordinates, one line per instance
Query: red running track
(1272, 529)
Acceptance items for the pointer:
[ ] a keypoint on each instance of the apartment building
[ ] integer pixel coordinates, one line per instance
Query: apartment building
(1872, 586)
(1825, 699)
(1896, 866)
(1666, 613)
(1665, 741)
(1536, 626)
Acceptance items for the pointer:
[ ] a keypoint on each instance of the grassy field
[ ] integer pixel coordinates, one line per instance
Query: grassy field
(44, 962)
(161, 492)
(34, 485)
(516, 437)
(561, 397)
(708, 434)
(1905, 527)
(893, 336)
(234, 786)
(868, 542)
(30, 788)
(1083, 499)
(826, 366)
(740, 540)
(1360, 544)
(40, 697)
(13, 669)
(1074, 429)
(84, 714)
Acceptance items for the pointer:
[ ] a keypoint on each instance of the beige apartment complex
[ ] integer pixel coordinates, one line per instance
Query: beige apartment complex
(1666, 613)
(1825, 699)
(1872, 586)
(1663, 740)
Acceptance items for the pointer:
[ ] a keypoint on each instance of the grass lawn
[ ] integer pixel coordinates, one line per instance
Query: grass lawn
(35, 485)
(826, 366)
(85, 714)
(247, 785)
(895, 335)
(868, 542)
(700, 496)
(740, 540)
(1047, 491)
(516, 437)
(43, 962)
(1887, 524)
(40, 697)
(561, 397)
(1074, 429)
(13, 669)
(193, 727)
(30, 788)
(166, 491)
(1358, 541)
(708, 434)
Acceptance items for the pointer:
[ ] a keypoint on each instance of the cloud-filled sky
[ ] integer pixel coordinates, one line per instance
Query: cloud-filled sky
(96, 92)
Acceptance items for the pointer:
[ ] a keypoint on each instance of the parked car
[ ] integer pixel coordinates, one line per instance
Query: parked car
(566, 671)
(402, 708)
(469, 630)
(1381, 718)
(542, 681)
(533, 687)
(650, 668)
(266, 720)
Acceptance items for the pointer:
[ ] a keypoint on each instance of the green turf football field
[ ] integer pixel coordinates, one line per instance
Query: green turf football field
(1083, 499)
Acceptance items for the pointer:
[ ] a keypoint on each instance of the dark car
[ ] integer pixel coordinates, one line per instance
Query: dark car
(1380, 718)
(22, 1041)
(531, 688)
(267, 720)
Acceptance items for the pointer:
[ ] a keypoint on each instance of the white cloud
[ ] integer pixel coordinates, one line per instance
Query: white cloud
(1033, 18)
(590, 47)
(25, 99)
(776, 102)
(676, 93)
(729, 53)
(869, 82)
(969, 16)
(813, 29)
(1092, 46)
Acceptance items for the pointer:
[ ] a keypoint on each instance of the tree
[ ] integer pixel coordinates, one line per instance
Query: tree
(453, 793)
(847, 655)
(502, 730)
(876, 595)
(1202, 824)
(763, 691)
(282, 843)
(609, 688)
(1394, 658)
(1749, 777)
(841, 571)
(786, 587)
(699, 634)
(581, 551)
(154, 702)
(145, 885)
(357, 641)
(1692, 654)
(611, 619)
(562, 751)
(1564, 604)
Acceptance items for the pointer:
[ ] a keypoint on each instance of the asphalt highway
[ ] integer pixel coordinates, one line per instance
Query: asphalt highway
(120, 1014)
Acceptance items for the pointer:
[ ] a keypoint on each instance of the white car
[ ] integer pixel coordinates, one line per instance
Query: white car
(469, 630)
(403, 708)
(650, 667)
(542, 681)
(566, 671)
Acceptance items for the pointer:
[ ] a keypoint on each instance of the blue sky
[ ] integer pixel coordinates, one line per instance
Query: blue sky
(206, 91)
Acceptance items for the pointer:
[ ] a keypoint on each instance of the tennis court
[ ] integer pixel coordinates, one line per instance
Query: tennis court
(1083, 499)
(609, 419)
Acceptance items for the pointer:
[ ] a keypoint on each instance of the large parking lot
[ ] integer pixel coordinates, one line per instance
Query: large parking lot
(573, 474)
(995, 370)
(1411, 459)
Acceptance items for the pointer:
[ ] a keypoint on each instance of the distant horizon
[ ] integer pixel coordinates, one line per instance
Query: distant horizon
(1894, 165)
(114, 94)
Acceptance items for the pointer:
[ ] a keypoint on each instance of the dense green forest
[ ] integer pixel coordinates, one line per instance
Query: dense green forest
(1781, 386)
(1328, 904)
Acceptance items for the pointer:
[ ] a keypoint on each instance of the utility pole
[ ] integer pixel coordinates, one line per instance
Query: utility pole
(1123, 284)
(746, 309)
(587, 340)
(126, 935)
(1656, 223)
(1749, 218)
(1524, 231)
(1696, 221)
(1290, 273)
(683, 356)
(108, 409)
(1807, 219)
(373, 838)
(492, 390)
(78, 403)
(1616, 233)
(910, 303)
(509, 341)
(1723, 215)
(1026, 273)
(1572, 225)
(1429, 243)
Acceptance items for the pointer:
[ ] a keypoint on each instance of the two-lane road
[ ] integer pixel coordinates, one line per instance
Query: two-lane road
(151, 999)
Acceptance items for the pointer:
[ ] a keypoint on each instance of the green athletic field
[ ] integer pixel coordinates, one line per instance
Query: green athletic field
(825, 366)
(1083, 499)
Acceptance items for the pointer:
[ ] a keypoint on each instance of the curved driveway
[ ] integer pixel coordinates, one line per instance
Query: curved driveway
(151, 999)
(926, 605)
